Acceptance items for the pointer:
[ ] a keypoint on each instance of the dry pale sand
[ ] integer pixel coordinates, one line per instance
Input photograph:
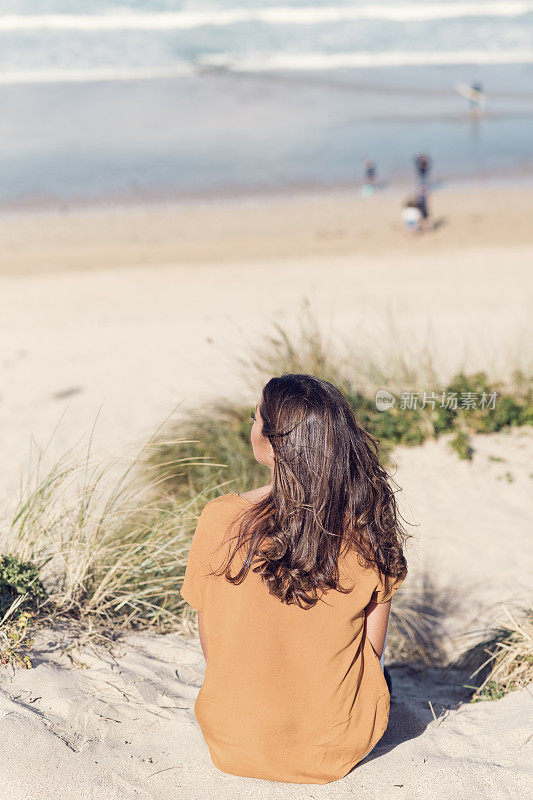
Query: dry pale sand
(120, 726)
(258, 228)
(140, 309)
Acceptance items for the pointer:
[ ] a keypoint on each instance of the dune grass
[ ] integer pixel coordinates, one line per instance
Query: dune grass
(217, 436)
(15, 640)
(416, 632)
(106, 541)
(501, 658)
(94, 542)
(93, 539)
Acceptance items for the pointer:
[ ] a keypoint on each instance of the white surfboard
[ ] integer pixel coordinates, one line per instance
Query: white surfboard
(471, 94)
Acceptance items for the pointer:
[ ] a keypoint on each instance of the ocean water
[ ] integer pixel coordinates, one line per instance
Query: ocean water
(140, 98)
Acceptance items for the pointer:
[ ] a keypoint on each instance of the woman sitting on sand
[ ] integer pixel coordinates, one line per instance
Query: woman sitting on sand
(292, 582)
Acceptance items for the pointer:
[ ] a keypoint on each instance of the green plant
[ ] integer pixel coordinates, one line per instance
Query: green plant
(213, 443)
(494, 691)
(462, 446)
(19, 579)
(493, 408)
(15, 642)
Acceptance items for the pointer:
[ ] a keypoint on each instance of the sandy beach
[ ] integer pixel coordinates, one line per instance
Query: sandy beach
(134, 310)
(195, 194)
(273, 226)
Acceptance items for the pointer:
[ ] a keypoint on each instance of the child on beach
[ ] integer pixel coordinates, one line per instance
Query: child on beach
(292, 582)
(412, 215)
(369, 186)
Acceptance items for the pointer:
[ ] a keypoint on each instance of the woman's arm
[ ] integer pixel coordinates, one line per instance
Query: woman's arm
(203, 640)
(377, 619)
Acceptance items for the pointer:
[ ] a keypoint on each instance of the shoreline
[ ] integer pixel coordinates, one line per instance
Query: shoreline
(397, 185)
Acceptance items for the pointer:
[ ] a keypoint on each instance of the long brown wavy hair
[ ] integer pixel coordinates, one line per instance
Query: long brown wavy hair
(329, 494)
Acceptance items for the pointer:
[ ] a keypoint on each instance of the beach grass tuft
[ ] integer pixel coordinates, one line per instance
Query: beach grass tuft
(501, 658)
(416, 632)
(92, 539)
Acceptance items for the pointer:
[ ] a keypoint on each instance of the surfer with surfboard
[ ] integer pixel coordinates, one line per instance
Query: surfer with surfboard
(477, 99)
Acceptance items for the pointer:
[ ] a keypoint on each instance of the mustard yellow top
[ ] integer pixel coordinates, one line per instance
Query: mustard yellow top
(289, 694)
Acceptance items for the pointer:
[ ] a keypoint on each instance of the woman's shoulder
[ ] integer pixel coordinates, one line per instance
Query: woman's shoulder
(224, 506)
(220, 503)
(216, 517)
(254, 495)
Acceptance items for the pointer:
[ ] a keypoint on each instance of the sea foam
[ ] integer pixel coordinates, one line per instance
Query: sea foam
(305, 15)
(265, 62)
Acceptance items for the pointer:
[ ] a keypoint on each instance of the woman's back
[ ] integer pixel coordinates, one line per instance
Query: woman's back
(290, 694)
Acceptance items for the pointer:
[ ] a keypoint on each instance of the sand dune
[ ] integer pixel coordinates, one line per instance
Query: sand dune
(120, 724)
(141, 309)
(123, 727)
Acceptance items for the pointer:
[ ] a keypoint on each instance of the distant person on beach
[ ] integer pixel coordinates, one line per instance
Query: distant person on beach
(477, 99)
(423, 166)
(473, 92)
(422, 204)
(370, 168)
(412, 215)
(477, 88)
(293, 583)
